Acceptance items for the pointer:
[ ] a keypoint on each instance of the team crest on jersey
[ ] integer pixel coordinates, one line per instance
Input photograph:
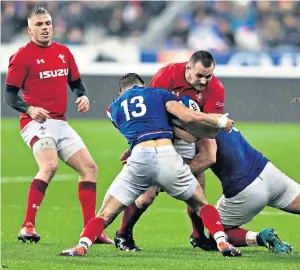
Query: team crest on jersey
(199, 96)
(62, 57)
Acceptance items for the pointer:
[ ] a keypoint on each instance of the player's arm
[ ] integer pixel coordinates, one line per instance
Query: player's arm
(189, 116)
(12, 98)
(206, 155)
(77, 86)
(17, 72)
(126, 153)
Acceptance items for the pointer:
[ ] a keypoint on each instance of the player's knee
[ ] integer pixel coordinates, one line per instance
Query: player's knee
(90, 170)
(49, 168)
(145, 201)
(107, 215)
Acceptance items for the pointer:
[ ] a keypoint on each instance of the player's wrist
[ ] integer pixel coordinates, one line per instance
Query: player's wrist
(28, 110)
(222, 122)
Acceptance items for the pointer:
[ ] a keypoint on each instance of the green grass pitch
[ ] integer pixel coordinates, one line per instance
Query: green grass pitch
(162, 233)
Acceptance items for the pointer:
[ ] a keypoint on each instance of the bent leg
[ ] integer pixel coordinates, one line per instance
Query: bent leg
(47, 161)
(83, 163)
(294, 206)
(133, 212)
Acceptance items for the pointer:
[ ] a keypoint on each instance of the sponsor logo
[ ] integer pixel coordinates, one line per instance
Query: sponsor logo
(40, 61)
(54, 73)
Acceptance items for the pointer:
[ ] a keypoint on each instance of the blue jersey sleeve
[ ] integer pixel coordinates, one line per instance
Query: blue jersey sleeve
(168, 96)
(109, 114)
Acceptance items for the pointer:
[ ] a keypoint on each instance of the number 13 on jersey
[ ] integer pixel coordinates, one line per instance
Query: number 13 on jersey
(140, 107)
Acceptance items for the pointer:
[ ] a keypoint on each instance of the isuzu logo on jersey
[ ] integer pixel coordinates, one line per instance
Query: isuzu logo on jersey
(54, 73)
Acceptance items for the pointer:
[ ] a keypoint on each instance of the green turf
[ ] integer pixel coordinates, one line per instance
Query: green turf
(162, 233)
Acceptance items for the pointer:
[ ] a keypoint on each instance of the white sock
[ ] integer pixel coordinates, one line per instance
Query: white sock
(220, 237)
(84, 241)
(251, 238)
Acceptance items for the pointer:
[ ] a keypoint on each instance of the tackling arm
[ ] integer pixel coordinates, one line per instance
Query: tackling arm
(207, 151)
(190, 116)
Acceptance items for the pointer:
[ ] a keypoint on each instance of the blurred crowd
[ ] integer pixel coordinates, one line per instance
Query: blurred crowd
(77, 21)
(213, 25)
(245, 25)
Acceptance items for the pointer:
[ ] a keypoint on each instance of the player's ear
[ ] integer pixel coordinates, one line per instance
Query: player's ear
(29, 30)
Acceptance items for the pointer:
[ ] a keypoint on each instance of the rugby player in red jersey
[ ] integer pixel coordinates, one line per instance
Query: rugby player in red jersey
(43, 70)
(196, 80)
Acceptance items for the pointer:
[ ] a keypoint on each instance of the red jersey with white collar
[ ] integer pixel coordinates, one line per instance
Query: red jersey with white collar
(43, 74)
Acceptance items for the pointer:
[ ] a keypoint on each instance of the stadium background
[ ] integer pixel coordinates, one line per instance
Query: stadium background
(257, 49)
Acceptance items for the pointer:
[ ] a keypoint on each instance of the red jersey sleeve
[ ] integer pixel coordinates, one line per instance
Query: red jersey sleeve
(73, 69)
(162, 79)
(216, 98)
(17, 70)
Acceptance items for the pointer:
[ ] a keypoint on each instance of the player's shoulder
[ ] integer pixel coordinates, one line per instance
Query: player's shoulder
(60, 46)
(22, 53)
(216, 84)
(174, 67)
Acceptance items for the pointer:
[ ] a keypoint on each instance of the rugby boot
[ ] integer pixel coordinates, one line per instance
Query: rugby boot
(125, 242)
(206, 244)
(103, 239)
(269, 238)
(28, 233)
(78, 251)
(229, 250)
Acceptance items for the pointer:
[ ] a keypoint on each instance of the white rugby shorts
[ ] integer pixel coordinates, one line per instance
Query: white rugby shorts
(66, 138)
(153, 166)
(271, 188)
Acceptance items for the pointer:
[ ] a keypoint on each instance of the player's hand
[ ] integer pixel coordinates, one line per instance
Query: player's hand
(83, 104)
(225, 123)
(125, 156)
(38, 114)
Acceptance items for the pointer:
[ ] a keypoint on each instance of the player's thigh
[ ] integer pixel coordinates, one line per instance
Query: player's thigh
(69, 143)
(35, 131)
(175, 177)
(134, 179)
(81, 161)
(294, 206)
(243, 207)
(283, 190)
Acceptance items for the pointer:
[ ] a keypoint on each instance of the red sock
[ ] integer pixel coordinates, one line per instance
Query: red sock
(35, 197)
(130, 217)
(93, 229)
(211, 219)
(198, 227)
(237, 237)
(87, 198)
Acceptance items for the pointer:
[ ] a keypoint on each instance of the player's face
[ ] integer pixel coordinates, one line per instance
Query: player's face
(40, 29)
(198, 76)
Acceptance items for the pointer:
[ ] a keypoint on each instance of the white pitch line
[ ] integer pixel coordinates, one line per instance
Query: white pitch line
(161, 210)
(21, 179)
